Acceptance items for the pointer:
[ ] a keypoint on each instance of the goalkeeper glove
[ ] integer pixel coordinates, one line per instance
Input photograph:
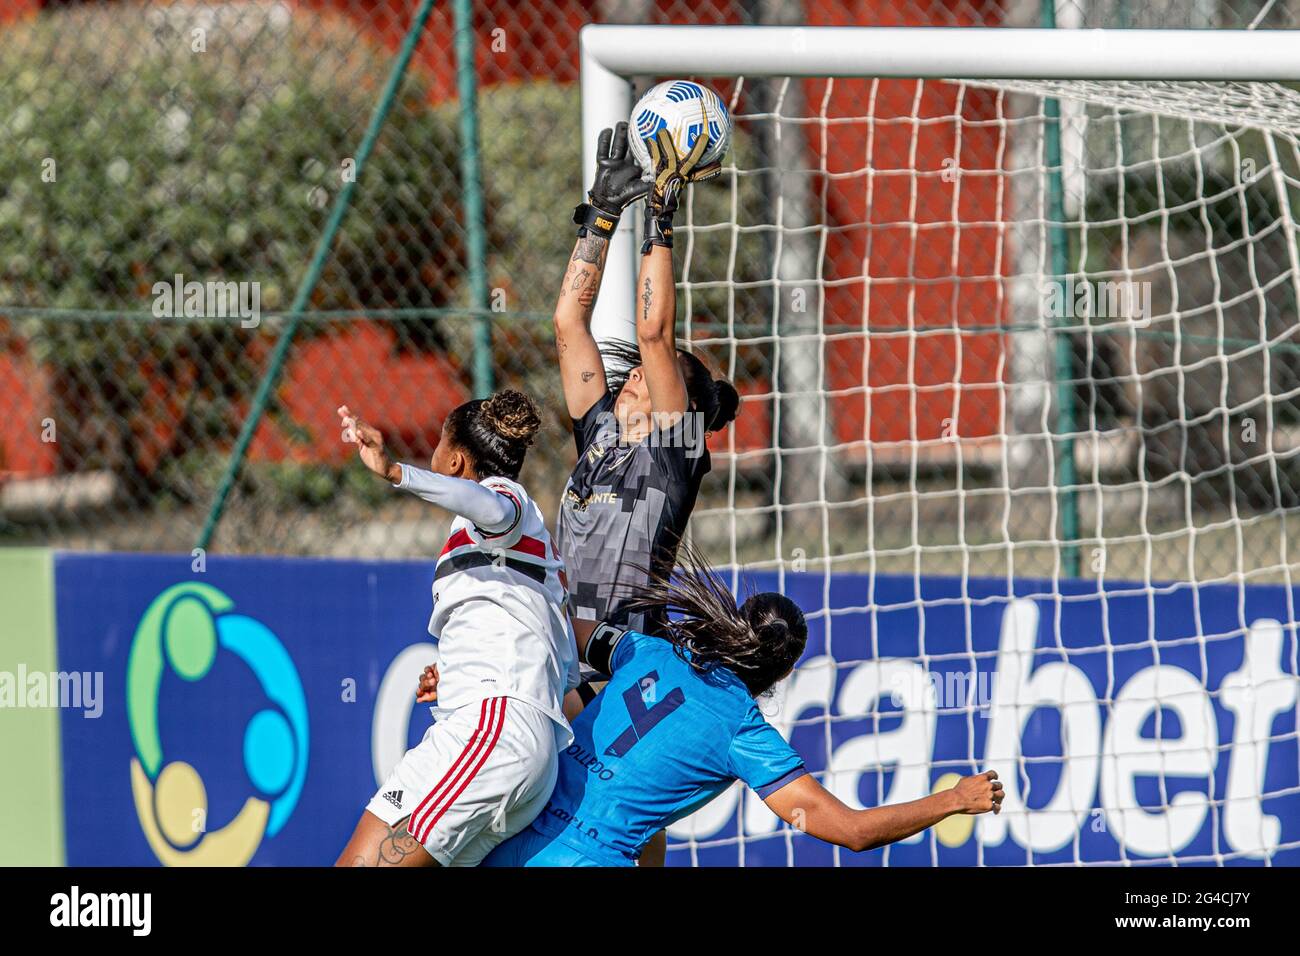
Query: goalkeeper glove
(672, 171)
(617, 184)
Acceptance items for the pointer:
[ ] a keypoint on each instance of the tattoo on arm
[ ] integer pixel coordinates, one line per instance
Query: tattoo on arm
(583, 279)
(646, 296)
(591, 249)
(582, 276)
(568, 277)
(394, 848)
(588, 376)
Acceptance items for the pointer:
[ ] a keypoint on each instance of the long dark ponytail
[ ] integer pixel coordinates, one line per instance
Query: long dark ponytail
(759, 641)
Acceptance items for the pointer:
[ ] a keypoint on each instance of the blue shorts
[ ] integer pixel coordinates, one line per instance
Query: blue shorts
(531, 847)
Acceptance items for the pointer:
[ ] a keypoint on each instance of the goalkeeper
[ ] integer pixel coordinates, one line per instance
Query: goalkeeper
(640, 428)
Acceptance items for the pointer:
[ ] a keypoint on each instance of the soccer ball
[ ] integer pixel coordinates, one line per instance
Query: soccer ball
(686, 110)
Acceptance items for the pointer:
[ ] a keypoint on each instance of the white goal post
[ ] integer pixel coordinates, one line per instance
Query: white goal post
(1015, 314)
(611, 54)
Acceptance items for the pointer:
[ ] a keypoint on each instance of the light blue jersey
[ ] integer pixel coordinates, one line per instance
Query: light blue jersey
(659, 742)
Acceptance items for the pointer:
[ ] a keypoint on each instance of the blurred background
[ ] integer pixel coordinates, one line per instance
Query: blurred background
(209, 141)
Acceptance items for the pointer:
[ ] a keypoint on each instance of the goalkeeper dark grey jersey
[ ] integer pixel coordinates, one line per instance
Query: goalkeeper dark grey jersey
(624, 510)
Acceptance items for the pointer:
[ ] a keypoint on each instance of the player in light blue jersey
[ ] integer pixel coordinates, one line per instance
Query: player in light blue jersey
(678, 722)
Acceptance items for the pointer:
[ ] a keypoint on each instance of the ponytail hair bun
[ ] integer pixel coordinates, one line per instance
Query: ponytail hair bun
(495, 432)
(512, 415)
(716, 400)
(775, 631)
(728, 400)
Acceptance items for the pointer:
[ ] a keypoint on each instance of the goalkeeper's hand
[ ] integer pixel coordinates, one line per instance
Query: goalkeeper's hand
(617, 185)
(672, 171)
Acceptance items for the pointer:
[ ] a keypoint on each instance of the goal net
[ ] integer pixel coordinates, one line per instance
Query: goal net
(1021, 383)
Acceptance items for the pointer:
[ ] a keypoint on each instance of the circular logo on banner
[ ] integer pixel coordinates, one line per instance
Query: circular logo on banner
(184, 629)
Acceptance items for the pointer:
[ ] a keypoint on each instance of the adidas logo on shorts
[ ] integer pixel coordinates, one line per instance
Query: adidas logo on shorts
(394, 797)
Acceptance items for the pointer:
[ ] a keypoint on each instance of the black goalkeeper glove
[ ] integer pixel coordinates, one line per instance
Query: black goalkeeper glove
(617, 185)
(671, 173)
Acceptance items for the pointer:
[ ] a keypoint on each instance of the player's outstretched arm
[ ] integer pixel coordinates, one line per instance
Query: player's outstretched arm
(582, 371)
(370, 445)
(656, 319)
(807, 805)
(656, 336)
(617, 184)
(490, 511)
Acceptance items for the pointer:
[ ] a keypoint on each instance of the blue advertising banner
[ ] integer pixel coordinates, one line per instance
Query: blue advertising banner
(239, 703)
(251, 705)
(1129, 725)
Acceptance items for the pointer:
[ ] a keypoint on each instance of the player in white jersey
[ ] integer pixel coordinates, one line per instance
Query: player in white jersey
(486, 767)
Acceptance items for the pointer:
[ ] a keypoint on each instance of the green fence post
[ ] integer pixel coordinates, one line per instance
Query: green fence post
(1058, 240)
(472, 202)
(294, 316)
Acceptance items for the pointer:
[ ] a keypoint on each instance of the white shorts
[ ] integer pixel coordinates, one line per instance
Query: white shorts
(481, 774)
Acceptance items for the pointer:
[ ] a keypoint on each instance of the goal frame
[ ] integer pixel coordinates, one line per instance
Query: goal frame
(610, 55)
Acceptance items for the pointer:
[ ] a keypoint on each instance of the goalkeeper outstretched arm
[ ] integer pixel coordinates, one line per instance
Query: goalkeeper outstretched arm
(617, 184)
(808, 806)
(656, 321)
(582, 371)
(656, 341)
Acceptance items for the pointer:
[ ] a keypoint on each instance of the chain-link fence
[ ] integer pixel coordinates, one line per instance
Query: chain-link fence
(171, 169)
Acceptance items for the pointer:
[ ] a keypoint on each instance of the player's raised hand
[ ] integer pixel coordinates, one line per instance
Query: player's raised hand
(667, 166)
(370, 445)
(618, 181)
(426, 692)
(672, 170)
(690, 169)
(980, 793)
(617, 184)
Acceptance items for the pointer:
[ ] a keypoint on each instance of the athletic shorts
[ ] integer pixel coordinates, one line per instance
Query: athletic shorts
(535, 848)
(479, 776)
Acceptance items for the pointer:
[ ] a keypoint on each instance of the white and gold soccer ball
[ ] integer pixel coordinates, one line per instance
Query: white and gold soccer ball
(688, 110)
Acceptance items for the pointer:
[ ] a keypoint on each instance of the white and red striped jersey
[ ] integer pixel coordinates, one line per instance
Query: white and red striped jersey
(499, 612)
